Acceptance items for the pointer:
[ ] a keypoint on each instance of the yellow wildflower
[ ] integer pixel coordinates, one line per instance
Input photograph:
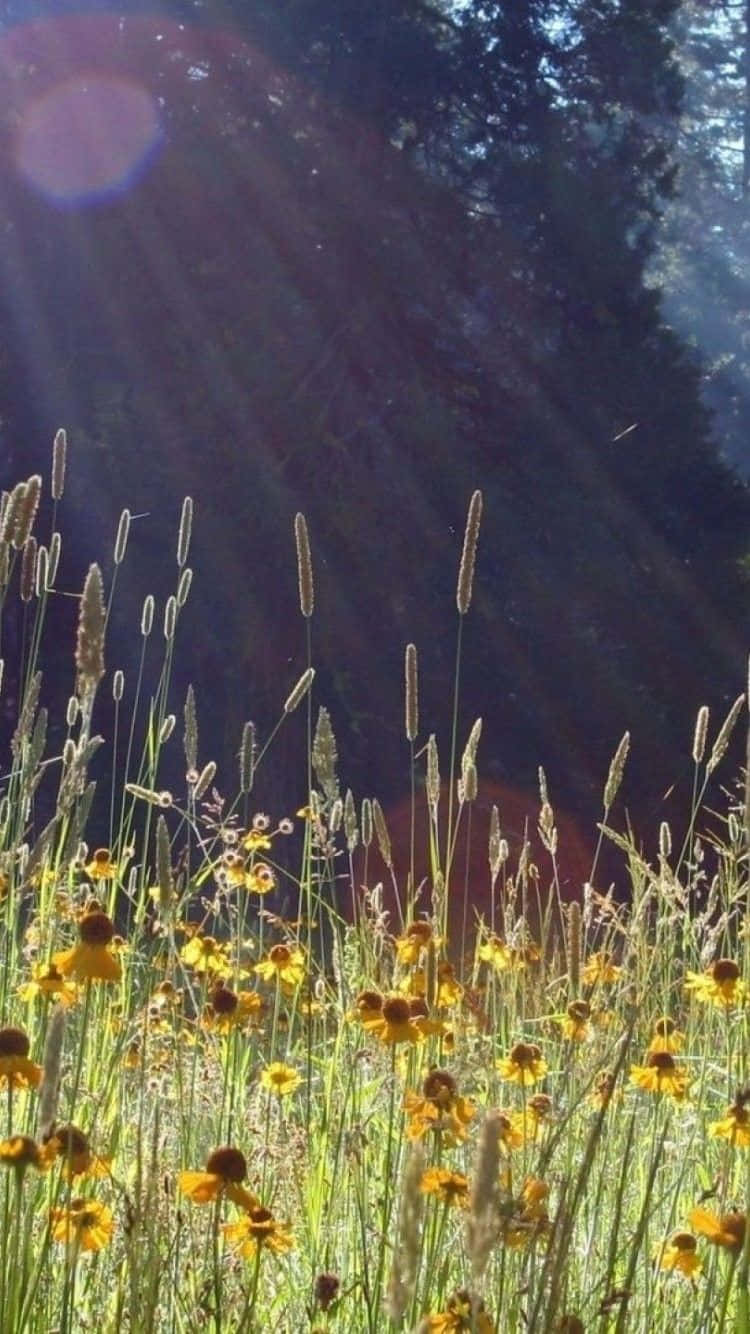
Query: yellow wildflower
(660, 1074)
(257, 840)
(417, 937)
(720, 984)
(91, 960)
(285, 964)
(228, 1009)
(440, 1108)
(260, 879)
(21, 1152)
(225, 1170)
(604, 1087)
(395, 1022)
(72, 1145)
(259, 1230)
(451, 1188)
(496, 952)
(575, 1022)
(667, 1036)
(735, 1125)
(529, 1219)
(15, 1067)
(368, 1008)
(532, 1119)
(48, 982)
(727, 1230)
(600, 968)
(86, 1225)
(524, 1065)
(280, 1079)
(462, 1315)
(101, 866)
(204, 954)
(679, 1255)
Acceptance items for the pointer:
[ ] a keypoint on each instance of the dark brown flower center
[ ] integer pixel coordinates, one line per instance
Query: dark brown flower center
(571, 1324)
(396, 1010)
(734, 1226)
(71, 1142)
(660, 1060)
(453, 1184)
(223, 1001)
(725, 970)
(261, 1219)
(227, 1163)
(369, 1000)
(326, 1288)
(280, 954)
(524, 1053)
(419, 931)
(14, 1042)
(21, 1150)
(83, 1215)
(439, 1086)
(541, 1104)
(96, 928)
(579, 1011)
(683, 1241)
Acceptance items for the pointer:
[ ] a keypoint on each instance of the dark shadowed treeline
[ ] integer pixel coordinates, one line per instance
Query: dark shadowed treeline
(320, 298)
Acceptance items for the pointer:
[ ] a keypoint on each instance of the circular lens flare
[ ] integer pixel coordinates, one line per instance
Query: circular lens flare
(87, 137)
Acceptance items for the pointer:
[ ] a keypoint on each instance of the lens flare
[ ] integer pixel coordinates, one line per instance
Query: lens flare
(87, 137)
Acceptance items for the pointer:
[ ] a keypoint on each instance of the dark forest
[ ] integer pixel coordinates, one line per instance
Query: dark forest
(365, 262)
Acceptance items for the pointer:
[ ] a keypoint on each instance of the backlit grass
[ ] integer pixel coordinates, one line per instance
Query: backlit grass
(238, 1093)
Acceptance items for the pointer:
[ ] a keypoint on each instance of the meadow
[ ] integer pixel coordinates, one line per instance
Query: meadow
(246, 1086)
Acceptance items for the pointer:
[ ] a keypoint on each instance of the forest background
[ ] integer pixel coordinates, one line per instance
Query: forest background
(377, 256)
